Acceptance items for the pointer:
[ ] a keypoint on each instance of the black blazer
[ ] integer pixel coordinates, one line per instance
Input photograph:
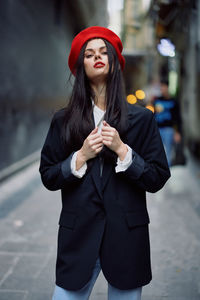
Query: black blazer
(106, 216)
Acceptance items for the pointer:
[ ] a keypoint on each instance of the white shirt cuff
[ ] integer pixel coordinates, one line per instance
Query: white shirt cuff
(78, 173)
(122, 165)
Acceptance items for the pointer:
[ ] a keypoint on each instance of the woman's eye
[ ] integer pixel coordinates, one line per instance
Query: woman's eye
(104, 52)
(88, 55)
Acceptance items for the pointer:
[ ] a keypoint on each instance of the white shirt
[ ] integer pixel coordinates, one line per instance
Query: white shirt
(121, 166)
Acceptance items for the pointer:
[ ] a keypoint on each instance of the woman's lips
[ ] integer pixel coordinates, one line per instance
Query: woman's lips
(99, 65)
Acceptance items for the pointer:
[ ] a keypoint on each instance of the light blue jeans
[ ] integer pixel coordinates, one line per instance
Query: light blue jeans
(84, 293)
(167, 135)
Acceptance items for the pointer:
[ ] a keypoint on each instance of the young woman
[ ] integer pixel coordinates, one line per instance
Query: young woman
(103, 154)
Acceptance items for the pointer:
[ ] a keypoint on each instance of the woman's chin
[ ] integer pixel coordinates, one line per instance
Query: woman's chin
(98, 76)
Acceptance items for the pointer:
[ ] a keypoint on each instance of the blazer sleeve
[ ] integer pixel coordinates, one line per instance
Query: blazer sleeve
(149, 169)
(55, 165)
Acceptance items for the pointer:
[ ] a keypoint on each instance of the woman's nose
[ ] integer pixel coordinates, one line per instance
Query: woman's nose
(97, 55)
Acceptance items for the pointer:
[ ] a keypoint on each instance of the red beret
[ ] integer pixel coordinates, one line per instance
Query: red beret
(90, 33)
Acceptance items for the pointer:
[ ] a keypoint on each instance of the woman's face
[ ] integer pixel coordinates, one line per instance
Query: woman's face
(96, 60)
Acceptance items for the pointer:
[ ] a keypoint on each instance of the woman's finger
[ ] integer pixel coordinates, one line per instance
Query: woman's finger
(107, 143)
(106, 124)
(94, 147)
(93, 136)
(108, 138)
(94, 131)
(106, 128)
(99, 149)
(107, 133)
(96, 140)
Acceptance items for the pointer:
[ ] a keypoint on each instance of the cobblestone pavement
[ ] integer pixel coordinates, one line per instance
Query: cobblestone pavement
(28, 235)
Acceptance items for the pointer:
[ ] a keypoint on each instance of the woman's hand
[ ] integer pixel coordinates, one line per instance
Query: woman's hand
(92, 145)
(112, 140)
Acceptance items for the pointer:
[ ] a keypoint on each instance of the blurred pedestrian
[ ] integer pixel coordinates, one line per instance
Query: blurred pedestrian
(103, 154)
(167, 114)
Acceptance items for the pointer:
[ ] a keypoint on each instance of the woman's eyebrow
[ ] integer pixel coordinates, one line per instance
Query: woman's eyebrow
(90, 49)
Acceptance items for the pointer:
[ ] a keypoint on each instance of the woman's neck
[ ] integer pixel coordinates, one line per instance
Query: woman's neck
(99, 95)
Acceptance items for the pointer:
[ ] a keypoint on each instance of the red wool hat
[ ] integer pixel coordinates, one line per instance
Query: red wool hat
(90, 33)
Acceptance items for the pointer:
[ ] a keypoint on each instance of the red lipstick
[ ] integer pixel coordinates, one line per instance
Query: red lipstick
(99, 65)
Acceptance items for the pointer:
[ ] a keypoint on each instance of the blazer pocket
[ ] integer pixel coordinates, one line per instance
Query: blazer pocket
(67, 219)
(138, 218)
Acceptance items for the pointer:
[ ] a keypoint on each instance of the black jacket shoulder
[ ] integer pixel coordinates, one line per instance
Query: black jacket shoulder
(139, 115)
(134, 110)
(59, 116)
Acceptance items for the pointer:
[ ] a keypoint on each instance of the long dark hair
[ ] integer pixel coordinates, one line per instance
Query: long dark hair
(78, 120)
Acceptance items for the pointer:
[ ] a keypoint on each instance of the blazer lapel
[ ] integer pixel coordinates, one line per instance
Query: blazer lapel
(95, 173)
(107, 168)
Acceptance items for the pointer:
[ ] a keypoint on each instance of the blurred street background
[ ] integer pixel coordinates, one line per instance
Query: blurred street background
(161, 41)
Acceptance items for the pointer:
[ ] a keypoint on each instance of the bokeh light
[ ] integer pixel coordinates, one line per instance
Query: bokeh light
(131, 99)
(150, 107)
(140, 94)
(166, 48)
